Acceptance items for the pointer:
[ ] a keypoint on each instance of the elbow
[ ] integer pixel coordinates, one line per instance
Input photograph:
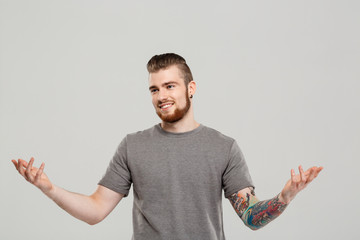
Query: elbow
(93, 221)
(254, 228)
(95, 217)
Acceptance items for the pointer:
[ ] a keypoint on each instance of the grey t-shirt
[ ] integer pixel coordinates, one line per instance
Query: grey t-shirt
(177, 181)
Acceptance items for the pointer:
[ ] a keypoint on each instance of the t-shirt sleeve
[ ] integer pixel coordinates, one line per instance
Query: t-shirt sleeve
(236, 175)
(117, 176)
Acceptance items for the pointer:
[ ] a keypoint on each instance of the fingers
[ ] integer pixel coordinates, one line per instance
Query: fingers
(15, 163)
(39, 172)
(314, 172)
(310, 175)
(293, 179)
(21, 166)
(318, 170)
(302, 174)
(304, 178)
(28, 170)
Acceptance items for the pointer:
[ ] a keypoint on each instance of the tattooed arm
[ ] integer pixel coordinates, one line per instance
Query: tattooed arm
(256, 214)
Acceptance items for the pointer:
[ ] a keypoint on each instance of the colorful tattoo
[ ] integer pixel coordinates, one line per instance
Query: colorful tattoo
(255, 213)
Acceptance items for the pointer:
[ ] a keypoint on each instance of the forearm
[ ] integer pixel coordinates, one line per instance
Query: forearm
(254, 213)
(91, 209)
(83, 207)
(263, 212)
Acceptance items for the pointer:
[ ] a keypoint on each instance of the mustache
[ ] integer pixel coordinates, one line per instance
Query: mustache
(167, 101)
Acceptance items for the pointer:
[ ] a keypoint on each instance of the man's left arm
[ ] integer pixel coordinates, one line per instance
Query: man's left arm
(256, 214)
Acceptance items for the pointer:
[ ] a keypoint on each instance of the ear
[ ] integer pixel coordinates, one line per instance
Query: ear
(191, 88)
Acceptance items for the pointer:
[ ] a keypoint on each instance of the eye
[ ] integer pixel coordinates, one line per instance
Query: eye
(153, 91)
(170, 86)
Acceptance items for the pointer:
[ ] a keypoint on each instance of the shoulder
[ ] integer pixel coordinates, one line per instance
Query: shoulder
(143, 134)
(135, 140)
(217, 134)
(216, 137)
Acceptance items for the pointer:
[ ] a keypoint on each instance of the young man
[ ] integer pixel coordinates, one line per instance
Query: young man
(178, 169)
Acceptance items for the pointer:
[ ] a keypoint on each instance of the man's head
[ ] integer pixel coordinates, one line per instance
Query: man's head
(163, 61)
(171, 86)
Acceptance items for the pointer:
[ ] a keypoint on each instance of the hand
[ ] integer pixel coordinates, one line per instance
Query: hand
(35, 176)
(298, 182)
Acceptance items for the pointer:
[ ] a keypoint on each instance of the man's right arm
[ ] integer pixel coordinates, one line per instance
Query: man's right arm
(90, 209)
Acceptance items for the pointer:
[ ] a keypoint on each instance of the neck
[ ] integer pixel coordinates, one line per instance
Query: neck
(186, 124)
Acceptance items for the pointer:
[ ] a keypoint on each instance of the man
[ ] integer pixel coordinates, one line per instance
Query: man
(178, 170)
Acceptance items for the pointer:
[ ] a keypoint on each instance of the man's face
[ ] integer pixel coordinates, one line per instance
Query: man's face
(169, 94)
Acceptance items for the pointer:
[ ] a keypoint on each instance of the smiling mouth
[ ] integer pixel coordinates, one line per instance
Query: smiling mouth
(166, 106)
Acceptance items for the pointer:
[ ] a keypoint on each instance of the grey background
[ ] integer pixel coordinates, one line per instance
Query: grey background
(281, 77)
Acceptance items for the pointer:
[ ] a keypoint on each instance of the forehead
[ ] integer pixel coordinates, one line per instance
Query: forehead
(170, 74)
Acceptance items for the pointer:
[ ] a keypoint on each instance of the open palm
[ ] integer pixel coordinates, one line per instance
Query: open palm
(34, 175)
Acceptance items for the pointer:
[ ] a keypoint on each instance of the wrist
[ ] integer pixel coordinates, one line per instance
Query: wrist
(284, 199)
(50, 192)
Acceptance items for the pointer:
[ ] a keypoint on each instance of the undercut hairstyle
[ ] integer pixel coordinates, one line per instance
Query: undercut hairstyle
(166, 60)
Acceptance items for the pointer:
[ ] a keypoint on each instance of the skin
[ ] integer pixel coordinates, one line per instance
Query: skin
(256, 214)
(90, 209)
(166, 87)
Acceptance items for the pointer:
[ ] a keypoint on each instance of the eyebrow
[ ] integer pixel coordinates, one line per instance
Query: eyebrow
(164, 84)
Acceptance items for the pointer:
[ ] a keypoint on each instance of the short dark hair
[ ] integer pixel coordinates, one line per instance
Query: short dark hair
(163, 61)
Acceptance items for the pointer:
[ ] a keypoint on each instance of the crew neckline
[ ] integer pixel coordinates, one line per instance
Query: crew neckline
(181, 134)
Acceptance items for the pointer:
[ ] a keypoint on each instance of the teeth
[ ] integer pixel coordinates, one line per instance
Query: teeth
(165, 106)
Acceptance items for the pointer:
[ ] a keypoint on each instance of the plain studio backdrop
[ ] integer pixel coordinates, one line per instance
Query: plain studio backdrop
(281, 77)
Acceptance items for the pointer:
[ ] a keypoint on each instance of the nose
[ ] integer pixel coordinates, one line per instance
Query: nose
(162, 95)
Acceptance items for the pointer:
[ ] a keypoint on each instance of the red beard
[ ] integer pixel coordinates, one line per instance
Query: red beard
(178, 113)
